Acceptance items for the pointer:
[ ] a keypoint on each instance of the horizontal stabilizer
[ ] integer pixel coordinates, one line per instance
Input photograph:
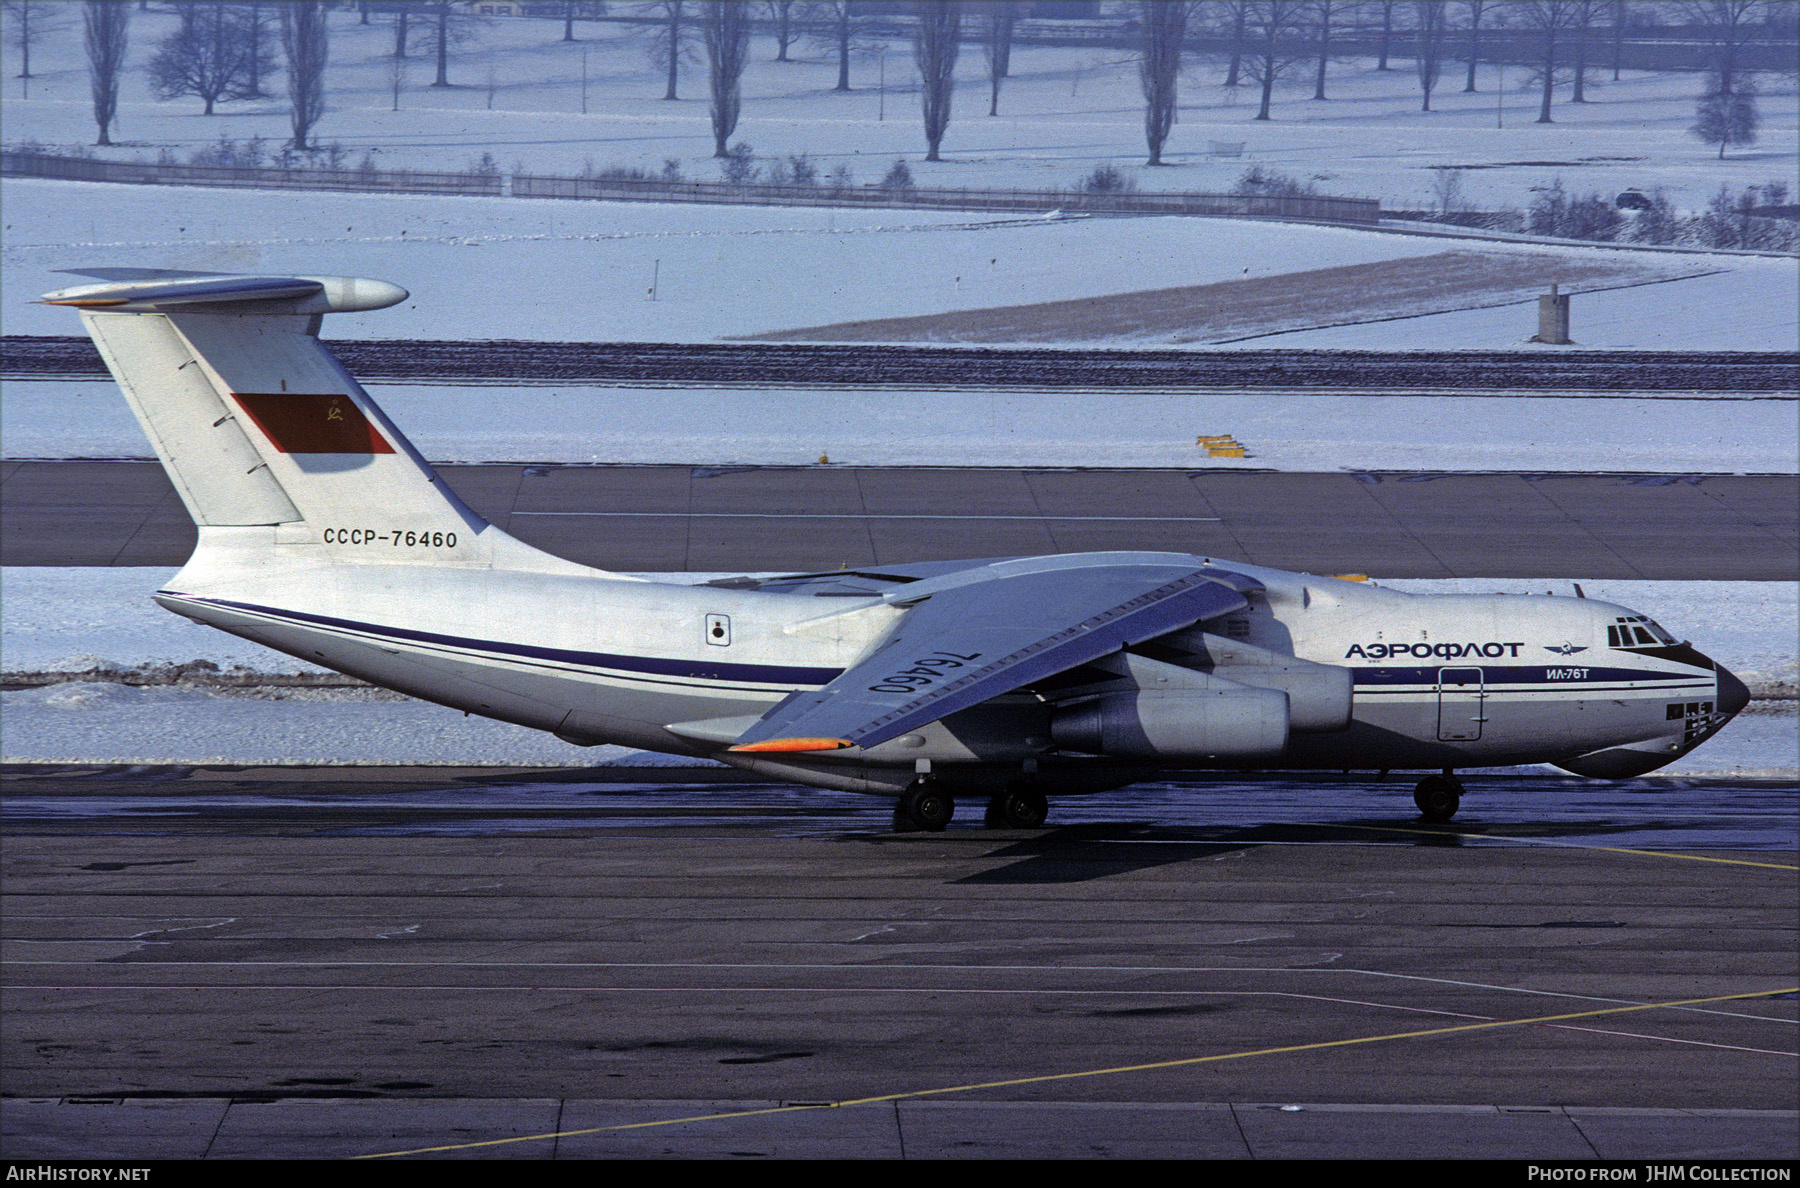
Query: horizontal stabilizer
(151, 291)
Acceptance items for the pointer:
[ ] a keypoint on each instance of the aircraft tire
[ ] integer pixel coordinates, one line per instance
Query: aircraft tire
(1017, 808)
(924, 807)
(1438, 797)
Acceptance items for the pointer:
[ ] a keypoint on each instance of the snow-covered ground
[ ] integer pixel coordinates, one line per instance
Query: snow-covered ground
(77, 620)
(512, 268)
(783, 427)
(490, 268)
(517, 94)
(106, 723)
(527, 269)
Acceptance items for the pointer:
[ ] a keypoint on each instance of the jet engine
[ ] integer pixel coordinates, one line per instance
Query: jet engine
(1223, 720)
(1319, 695)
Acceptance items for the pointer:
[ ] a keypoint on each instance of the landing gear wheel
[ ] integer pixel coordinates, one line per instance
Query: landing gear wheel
(1017, 808)
(924, 806)
(1438, 797)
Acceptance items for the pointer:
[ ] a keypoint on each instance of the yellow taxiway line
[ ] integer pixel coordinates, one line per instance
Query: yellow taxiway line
(1092, 1072)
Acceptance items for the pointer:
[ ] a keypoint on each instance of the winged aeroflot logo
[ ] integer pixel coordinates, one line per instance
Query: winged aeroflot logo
(1565, 648)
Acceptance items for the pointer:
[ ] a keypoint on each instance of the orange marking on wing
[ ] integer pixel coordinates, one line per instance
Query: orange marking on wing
(797, 744)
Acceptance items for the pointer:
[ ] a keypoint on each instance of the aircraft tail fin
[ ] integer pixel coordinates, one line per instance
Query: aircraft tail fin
(268, 440)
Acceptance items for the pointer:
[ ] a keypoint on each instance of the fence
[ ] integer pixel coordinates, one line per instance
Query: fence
(249, 177)
(1310, 208)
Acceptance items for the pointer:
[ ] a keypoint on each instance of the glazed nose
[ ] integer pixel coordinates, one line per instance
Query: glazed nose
(1733, 694)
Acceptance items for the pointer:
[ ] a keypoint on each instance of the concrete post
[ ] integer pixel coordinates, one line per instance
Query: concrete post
(1553, 317)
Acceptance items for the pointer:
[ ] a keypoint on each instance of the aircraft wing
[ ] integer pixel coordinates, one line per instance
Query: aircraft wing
(974, 635)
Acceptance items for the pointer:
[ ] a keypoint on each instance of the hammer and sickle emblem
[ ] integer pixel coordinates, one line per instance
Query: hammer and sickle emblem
(335, 414)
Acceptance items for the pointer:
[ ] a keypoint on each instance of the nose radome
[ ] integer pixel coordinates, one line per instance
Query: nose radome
(1733, 695)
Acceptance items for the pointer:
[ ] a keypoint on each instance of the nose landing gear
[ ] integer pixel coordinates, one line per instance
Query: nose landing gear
(1438, 796)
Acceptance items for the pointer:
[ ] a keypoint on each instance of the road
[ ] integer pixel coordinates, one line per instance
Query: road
(711, 519)
(1564, 372)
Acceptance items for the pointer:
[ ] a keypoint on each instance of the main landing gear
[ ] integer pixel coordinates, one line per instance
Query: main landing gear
(925, 807)
(1438, 796)
(1020, 806)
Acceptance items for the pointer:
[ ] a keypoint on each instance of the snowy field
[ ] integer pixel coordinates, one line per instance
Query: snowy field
(80, 620)
(517, 93)
(526, 269)
(553, 270)
(494, 268)
(784, 427)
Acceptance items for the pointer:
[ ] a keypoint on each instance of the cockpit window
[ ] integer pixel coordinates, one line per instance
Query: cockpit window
(1637, 631)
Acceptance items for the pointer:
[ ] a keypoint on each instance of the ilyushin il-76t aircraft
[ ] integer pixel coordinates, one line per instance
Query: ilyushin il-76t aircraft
(324, 534)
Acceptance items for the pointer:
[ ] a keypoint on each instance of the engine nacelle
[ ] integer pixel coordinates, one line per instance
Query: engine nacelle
(1230, 722)
(1320, 696)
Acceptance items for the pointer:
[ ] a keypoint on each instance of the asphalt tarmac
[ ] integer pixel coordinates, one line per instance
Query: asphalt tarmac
(269, 963)
(687, 518)
(1566, 372)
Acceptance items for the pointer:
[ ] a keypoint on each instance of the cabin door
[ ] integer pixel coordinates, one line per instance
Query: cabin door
(1460, 698)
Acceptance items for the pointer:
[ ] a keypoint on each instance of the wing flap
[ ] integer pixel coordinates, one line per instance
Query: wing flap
(971, 642)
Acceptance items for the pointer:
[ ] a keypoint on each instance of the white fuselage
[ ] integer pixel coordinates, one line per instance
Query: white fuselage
(1439, 680)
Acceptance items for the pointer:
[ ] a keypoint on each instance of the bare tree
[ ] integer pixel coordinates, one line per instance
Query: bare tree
(1616, 17)
(1727, 109)
(400, 30)
(303, 41)
(207, 56)
(671, 40)
(839, 13)
(1163, 26)
(1475, 9)
(934, 46)
(396, 77)
(27, 21)
(1236, 12)
(1726, 117)
(1272, 24)
(1549, 18)
(253, 28)
(440, 34)
(782, 11)
(21, 30)
(572, 9)
(105, 25)
(997, 38)
(1447, 188)
(1387, 32)
(1430, 40)
(1727, 27)
(1323, 11)
(725, 26)
(1583, 25)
